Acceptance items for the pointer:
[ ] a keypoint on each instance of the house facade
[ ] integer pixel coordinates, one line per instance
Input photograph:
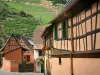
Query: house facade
(38, 45)
(71, 42)
(17, 55)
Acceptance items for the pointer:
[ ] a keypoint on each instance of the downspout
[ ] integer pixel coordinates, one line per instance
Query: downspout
(44, 54)
(44, 57)
(72, 44)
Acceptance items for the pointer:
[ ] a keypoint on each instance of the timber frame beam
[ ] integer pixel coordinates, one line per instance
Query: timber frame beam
(80, 54)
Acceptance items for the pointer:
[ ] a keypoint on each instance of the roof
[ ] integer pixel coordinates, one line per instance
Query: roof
(25, 44)
(62, 15)
(37, 36)
(45, 31)
(22, 41)
(68, 7)
(70, 11)
(71, 7)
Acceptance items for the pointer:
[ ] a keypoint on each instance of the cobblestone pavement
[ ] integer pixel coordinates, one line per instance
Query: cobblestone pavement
(16, 73)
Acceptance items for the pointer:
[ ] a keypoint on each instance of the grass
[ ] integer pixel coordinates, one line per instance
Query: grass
(37, 11)
(31, 1)
(46, 17)
(30, 8)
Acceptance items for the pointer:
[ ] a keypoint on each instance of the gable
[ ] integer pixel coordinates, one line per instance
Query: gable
(12, 44)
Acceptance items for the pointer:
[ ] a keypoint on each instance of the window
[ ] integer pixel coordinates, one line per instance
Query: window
(56, 31)
(40, 52)
(64, 29)
(28, 58)
(59, 60)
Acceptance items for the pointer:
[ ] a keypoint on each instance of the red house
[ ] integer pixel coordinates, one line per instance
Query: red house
(17, 55)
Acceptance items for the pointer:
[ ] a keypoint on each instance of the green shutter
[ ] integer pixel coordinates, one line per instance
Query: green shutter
(56, 31)
(62, 25)
(66, 28)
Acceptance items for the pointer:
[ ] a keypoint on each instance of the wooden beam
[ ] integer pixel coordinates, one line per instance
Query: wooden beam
(80, 54)
(84, 35)
(87, 18)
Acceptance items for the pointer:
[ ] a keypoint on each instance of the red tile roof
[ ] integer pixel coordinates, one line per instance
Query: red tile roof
(38, 41)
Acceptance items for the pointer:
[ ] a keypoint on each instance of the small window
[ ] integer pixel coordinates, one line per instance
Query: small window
(28, 58)
(40, 52)
(59, 60)
(65, 29)
(56, 31)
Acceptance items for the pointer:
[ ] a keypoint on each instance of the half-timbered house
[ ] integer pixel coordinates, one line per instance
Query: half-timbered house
(71, 42)
(18, 55)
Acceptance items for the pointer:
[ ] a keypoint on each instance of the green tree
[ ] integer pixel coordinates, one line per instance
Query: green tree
(3, 10)
(3, 15)
(21, 25)
(13, 21)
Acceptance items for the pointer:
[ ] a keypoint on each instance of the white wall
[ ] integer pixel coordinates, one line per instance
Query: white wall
(38, 67)
(36, 54)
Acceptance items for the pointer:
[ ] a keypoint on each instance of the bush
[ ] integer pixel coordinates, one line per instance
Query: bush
(22, 13)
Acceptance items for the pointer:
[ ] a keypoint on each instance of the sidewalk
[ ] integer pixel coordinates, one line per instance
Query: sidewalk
(4, 72)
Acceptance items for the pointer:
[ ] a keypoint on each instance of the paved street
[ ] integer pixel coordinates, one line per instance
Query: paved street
(16, 73)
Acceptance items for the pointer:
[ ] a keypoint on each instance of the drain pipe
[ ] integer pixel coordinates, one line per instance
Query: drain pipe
(72, 44)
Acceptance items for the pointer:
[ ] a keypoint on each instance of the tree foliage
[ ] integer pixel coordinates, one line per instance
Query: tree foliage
(21, 25)
(3, 15)
(13, 21)
(3, 10)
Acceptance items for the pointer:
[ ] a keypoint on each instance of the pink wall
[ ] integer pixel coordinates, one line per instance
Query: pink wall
(6, 65)
(63, 69)
(9, 65)
(82, 66)
(86, 66)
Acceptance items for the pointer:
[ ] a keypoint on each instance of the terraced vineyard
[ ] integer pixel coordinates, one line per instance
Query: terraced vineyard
(37, 11)
(30, 1)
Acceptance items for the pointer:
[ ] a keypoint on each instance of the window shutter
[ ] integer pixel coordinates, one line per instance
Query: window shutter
(66, 28)
(62, 28)
(56, 31)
